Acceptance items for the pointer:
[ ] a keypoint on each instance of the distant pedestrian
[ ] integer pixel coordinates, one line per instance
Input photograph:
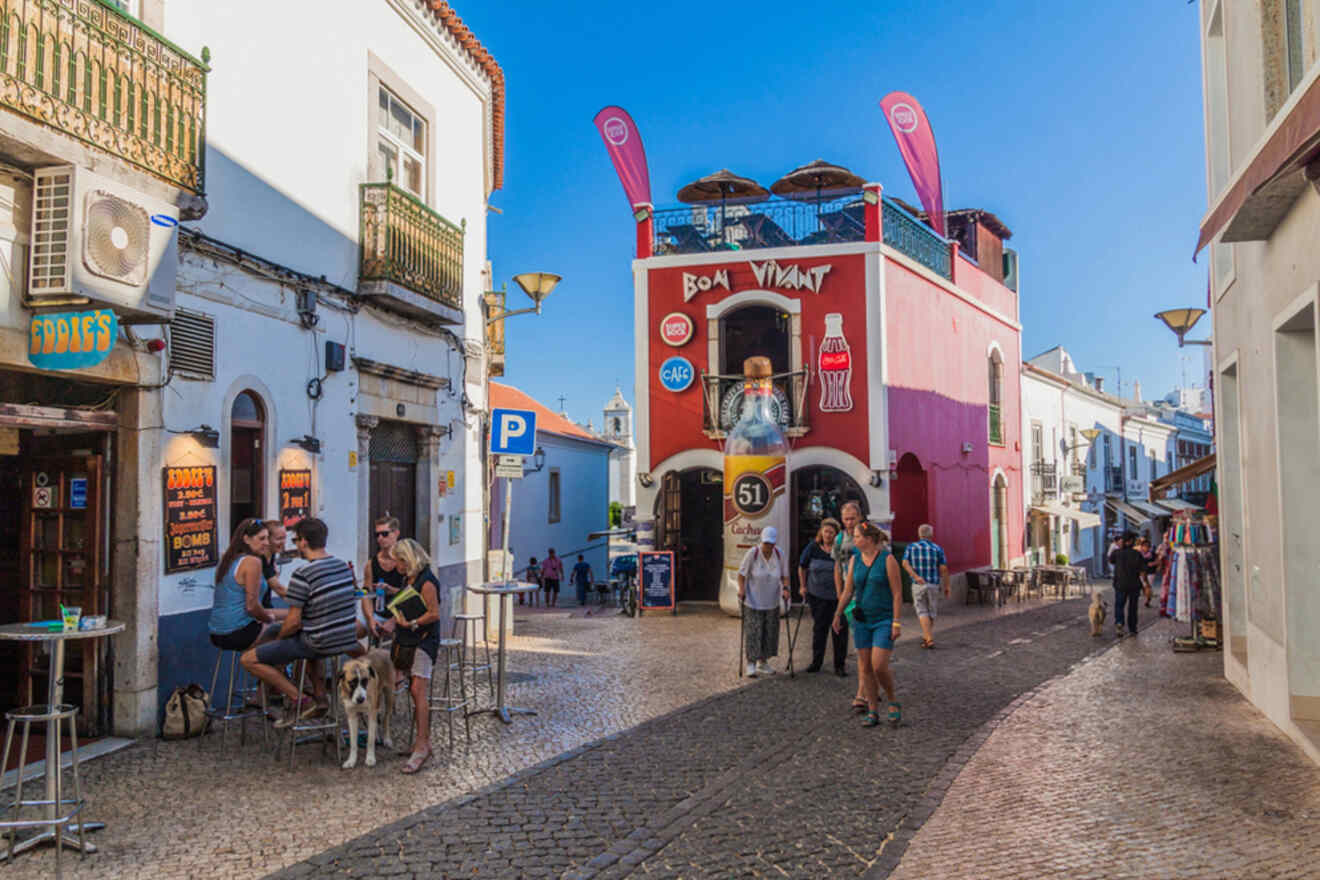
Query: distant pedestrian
(533, 577)
(1129, 566)
(1143, 547)
(816, 577)
(874, 579)
(552, 571)
(924, 561)
(762, 580)
(581, 579)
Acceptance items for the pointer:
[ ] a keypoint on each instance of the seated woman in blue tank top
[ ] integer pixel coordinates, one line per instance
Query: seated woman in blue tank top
(238, 619)
(874, 580)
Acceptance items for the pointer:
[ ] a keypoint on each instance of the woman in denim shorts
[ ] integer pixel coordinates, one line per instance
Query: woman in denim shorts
(873, 578)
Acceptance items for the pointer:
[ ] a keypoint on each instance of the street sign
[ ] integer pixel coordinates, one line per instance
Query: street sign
(509, 466)
(1072, 484)
(513, 431)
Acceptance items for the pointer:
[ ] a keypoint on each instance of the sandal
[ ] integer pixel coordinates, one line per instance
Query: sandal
(927, 643)
(895, 713)
(860, 706)
(872, 719)
(415, 762)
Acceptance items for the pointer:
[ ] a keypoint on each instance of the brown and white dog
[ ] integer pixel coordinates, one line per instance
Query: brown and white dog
(365, 689)
(1096, 613)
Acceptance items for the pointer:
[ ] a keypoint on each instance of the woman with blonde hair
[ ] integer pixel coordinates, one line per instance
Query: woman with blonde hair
(874, 579)
(422, 634)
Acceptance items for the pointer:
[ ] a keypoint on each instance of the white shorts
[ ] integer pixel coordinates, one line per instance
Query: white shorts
(422, 664)
(926, 599)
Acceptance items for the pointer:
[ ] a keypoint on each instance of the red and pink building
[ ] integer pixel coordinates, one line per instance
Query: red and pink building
(927, 427)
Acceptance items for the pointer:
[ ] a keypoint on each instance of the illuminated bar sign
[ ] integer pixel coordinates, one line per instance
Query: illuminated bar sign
(70, 340)
(295, 496)
(191, 539)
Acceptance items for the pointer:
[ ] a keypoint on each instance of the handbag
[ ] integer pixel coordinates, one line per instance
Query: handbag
(401, 655)
(851, 610)
(185, 713)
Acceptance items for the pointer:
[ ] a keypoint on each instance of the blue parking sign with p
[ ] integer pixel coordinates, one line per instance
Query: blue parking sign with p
(512, 431)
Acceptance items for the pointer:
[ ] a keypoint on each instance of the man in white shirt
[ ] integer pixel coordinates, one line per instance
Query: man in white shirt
(762, 582)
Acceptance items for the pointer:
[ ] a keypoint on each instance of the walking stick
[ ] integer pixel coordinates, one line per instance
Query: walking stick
(742, 635)
(793, 635)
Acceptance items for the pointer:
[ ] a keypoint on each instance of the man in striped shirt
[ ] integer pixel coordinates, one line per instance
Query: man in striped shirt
(322, 622)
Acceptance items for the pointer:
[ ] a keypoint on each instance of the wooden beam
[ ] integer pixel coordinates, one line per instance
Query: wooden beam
(17, 415)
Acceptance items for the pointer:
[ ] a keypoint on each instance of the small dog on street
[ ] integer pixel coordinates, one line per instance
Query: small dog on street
(1097, 612)
(366, 688)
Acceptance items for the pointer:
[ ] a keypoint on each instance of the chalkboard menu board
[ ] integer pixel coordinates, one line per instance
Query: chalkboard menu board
(295, 496)
(656, 571)
(191, 540)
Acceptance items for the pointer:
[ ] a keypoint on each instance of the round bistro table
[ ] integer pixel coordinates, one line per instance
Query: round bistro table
(504, 593)
(55, 640)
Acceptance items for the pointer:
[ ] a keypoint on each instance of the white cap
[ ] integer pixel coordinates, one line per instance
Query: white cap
(769, 535)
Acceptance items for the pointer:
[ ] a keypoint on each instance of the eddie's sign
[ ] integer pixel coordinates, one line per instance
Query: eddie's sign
(70, 340)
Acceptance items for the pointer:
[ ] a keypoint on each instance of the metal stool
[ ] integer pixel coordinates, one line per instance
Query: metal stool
(326, 726)
(469, 624)
(227, 712)
(447, 702)
(55, 824)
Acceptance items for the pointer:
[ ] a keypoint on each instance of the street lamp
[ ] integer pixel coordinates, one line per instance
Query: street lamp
(536, 285)
(1181, 321)
(1088, 434)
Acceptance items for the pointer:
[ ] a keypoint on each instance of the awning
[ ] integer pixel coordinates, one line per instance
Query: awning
(1084, 520)
(1151, 510)
(1122, 508)
(1184, 474)
(1177, 505)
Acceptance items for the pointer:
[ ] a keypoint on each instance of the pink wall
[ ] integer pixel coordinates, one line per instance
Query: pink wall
(938, 347)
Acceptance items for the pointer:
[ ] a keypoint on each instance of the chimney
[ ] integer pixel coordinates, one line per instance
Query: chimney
(1136, 390)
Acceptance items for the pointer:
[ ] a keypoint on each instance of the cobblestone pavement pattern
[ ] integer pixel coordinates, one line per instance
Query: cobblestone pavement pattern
(773, 780)
(188, 810)
(1142, 764)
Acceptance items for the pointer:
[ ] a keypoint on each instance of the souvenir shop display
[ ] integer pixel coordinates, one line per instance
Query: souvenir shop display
(1190, 589)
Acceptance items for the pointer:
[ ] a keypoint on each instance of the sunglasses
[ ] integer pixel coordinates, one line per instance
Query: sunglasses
(382, 534)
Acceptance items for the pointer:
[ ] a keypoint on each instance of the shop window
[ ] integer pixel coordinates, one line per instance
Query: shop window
(247, 424)
(554, 495)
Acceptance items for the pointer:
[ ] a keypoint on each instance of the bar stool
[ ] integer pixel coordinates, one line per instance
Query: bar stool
(447, 702)
(227, 712)
(44, 714)
(465, 628)
(327, 725)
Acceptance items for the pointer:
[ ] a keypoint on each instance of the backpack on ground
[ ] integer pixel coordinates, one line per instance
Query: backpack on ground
(185, 713)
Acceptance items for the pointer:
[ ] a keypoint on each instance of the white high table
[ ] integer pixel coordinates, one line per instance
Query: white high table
(55, 640)
(504, 593)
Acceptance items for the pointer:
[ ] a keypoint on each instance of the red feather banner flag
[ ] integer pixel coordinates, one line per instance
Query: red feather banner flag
(624, 143)
(916, 142)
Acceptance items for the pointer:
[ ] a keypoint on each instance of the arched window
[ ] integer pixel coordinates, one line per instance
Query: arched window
(247, 424)
(999, 522)
(996, 376)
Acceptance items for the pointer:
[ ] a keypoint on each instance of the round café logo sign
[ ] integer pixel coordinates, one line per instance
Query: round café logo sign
(616, 131)
(904, 117)
(676, 329)
(676, 374)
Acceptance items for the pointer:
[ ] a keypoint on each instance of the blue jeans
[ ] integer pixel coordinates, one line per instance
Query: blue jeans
(581, 593)
(1129, 599)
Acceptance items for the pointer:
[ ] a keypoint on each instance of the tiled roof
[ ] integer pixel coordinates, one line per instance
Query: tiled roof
(446, 15)
(507, 397)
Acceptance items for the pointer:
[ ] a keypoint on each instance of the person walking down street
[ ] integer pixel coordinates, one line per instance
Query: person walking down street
(851, 515)
(581, 579)
(924, 561)
(1129, 567)
(552, 571)
(762, 580)
(816, 577)
(1143, 547)
(874, 579)
(533, 577)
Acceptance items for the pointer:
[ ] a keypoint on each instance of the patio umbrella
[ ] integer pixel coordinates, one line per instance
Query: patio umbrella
(812, 178)
(720, 186)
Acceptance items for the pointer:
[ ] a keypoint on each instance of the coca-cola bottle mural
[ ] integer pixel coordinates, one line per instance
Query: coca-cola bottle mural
(835, 363)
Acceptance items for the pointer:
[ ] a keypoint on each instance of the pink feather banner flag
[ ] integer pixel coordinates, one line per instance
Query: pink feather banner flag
(624, 143)
(916, 142)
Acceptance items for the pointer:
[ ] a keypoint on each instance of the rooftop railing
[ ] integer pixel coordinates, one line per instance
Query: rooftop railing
(84, 68)
(775, 223)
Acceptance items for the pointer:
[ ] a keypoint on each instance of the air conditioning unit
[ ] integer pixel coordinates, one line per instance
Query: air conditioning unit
(98, 243)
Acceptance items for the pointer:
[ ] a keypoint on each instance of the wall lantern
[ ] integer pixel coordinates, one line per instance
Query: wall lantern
(307, 442)
(645, 479)
(206, 436)
(1181, 321)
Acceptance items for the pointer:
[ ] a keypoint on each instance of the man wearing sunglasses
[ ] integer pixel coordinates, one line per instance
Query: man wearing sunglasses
(381, 572)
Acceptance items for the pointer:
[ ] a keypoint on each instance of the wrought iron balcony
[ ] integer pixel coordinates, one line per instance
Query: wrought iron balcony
(996, 426)
(722, 403)
(86, 69)
(1044, 481)
(790, 223)
(495, 332)
(1079, 468)
(1113, 478)
(411, 256)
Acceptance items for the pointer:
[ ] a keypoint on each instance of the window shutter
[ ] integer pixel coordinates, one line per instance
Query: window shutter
(192, 344)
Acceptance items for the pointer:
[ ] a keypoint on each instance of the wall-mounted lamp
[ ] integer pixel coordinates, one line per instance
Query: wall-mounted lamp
(645, 479)
(1089, 435)
(538, 461)
(307, 442)
(537, 285)
(206, 436)
(1181, 321)
(877, 478)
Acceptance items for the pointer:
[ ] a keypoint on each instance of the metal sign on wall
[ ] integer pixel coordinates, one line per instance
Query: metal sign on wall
(191, 538)
(71, 340)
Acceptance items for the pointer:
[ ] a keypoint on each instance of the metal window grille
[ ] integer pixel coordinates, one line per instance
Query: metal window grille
(394, 441)
(192, 344)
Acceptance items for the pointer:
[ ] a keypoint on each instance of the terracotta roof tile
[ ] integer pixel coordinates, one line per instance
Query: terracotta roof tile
(446, 15)
(507, 397)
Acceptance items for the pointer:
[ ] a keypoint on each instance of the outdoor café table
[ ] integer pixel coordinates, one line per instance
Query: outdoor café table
(504, 593)
(55, 640)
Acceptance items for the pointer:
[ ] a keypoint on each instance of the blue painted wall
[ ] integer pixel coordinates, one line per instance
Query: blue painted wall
(584, 507)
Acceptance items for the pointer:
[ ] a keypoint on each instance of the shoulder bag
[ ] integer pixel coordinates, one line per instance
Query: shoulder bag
(185, 713)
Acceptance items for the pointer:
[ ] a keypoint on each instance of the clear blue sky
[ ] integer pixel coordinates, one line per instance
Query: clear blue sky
(1079, 125)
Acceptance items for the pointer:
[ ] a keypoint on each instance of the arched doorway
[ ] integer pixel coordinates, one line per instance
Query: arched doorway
(818, 492)
(247, 424)
(999, 522)
(908, 496)
(689, 518)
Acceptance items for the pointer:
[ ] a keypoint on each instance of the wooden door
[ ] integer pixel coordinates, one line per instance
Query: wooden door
(394, 493)
(671, 512)
(62, 561)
